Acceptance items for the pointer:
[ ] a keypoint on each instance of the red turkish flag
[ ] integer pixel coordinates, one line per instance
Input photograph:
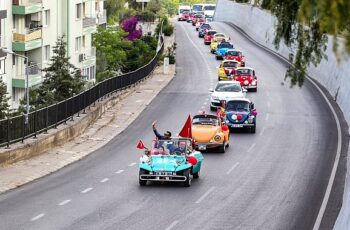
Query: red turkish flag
(187, 129)
(140, 145)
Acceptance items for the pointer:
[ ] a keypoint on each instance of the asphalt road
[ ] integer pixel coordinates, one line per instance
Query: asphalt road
(274, 179)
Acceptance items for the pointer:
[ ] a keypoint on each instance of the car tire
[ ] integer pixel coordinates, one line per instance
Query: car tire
(142, 182)
(222, 148)
(196, 175)
(212, 108)
(217, 57)
(187, 182)
(253, 129)
(219, 79)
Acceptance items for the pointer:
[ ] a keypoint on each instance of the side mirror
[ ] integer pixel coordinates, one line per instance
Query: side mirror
(252, 106)
(244, 90)
(254, 112)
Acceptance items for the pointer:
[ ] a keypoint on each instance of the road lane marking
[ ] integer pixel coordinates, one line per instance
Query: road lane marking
(119, 171)
(232, 168)
(262, 131)
(86, 190)
(251, 147)
(64, 202)
(104, 180)
(37, 217)
(172, 225)
(205, 195)
(267, 117)
(205, 103)
(132, 164)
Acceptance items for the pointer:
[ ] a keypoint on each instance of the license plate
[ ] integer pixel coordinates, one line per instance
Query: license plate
(237, 125)
(202, 147)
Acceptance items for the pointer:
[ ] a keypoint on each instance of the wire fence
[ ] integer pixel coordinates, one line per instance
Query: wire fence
(14, 129)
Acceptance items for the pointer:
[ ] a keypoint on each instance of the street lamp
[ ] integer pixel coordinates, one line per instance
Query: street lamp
(8, 51)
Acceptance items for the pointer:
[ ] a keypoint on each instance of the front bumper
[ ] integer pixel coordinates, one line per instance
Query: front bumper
(250, 86)
(155, 177)
(208, 145)
(236, 125)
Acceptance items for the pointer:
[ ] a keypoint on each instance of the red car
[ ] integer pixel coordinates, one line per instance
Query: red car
(208, 36)
(184, 15)
(233, 54)
(196, 18)
(246, 76)
(190, 16)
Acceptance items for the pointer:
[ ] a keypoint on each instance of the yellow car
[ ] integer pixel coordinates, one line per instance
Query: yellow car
(227, 69)
(217, 38)
(209, 132)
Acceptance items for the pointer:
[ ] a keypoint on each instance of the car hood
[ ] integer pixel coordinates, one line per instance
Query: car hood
(203, 133)
(228, 95)
(166, 163)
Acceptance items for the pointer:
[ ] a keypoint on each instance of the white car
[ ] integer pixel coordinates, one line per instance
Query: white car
(224, 91)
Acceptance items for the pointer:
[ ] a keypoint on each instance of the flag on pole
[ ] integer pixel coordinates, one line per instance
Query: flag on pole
(140, 145)
(187, 129)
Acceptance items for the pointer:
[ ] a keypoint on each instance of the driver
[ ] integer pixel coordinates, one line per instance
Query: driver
(181, 148)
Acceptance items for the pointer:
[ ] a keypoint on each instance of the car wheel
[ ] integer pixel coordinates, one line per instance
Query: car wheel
(142, 182)
(219, 79)
(196, 175)
(217, 58)
(222, 148)
(253, 129)
(187, 182)
(212, 108)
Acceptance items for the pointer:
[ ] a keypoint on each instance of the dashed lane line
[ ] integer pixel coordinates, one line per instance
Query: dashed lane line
(205, 195)
(86, 190)
(232, 168)
(119, 171)
(262, 131)
(64, 202)
(41, 215)
(132, 164)
(104, 180)
(251, 147)
(172, 225)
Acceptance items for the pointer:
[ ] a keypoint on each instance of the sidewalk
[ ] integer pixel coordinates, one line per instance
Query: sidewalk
(109, 125)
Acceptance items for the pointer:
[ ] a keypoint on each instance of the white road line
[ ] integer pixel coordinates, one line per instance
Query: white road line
(37, 217)
(232, 168)
(205, 195)
(203, 107)
(251, 147)
(119, 171)
(267, 117)
(87, 190)
(262, 131)
(104, 180)
(172, 225)
(64, 202)
(205, 103)
(132, 164)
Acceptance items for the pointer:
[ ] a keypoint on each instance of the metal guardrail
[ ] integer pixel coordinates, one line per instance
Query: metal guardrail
(14, 129)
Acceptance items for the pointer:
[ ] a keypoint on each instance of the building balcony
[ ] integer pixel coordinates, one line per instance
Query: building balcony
(89, 24)
(102, 17)
(28, 41)
(24, 7)
(34, 76)
(87, 57)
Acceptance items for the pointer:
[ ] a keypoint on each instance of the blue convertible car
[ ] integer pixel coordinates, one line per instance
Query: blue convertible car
(222, 49)
(170, 160)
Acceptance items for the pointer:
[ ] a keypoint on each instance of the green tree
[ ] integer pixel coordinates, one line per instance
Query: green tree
(4, 106)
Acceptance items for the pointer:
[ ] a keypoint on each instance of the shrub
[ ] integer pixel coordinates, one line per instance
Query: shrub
(168, 30)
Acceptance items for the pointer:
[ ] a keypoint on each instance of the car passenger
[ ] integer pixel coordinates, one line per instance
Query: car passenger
(166, 136)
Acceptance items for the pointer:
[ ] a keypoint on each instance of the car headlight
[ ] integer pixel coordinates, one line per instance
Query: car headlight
(214, 98)
(246, 82)
(254, 82)
(251, 119)
(217, 138)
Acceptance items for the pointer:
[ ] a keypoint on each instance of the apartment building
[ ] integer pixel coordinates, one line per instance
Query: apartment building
(31, 29)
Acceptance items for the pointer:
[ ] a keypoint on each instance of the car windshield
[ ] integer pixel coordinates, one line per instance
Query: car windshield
(209, 7)
(183, 11)
(244, 72)
(234, 53)
(205, 26)
(205, 121)
(211, 32)
(186, 12)
(197, 7)
(225, 45)
(230, 64)
(228, 87)
(237, 106)
(170, 147)
(219, 35)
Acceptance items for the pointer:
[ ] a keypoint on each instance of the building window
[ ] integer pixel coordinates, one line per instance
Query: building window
(47, 18)
(47, 53)
(78, 6)
(77, 44)
(83, 41)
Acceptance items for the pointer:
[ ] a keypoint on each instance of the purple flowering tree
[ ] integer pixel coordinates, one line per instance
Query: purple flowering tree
(130, 25)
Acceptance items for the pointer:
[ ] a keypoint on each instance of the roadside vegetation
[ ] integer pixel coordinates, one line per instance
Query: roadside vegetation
(303, 26)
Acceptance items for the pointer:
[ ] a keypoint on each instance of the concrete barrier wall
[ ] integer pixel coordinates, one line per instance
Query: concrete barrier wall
(335, 76)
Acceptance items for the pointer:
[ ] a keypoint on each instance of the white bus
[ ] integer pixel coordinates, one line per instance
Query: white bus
(196, 8)
(209, 10)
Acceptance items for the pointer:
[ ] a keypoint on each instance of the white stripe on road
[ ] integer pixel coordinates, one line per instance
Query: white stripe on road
(251, 147)
(205, 195)
(132, 164)
(64, 202)
(172, 225)
(262, 131)
(104, 180)
(37, 217)
(232, 168)
(86, 190)
(119, 171)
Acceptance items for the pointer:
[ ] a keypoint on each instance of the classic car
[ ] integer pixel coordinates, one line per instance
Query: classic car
(246, 76)
(208, 36)
(199, 23)
(234, 54)
(221, 49)
(196, 18)
(224, 91)
(227, 69)
(172, 160)
(217, 38)
(240, 113)
(203, 29)
(210, 132)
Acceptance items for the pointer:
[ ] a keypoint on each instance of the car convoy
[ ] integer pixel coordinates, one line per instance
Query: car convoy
(179, 159)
